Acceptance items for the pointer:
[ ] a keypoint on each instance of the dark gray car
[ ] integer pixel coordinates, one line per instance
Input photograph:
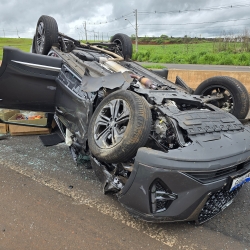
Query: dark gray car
(169, 153)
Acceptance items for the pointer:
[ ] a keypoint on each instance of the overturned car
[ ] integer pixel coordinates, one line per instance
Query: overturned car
(168, 152)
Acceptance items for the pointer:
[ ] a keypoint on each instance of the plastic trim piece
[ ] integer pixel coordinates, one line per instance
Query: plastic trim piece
(38, 66)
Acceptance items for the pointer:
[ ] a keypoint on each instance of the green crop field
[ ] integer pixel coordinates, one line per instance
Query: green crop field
(200, 53)
(23, 44)
(217, 53)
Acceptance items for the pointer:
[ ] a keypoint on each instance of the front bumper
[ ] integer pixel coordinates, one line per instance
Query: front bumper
(196, 185)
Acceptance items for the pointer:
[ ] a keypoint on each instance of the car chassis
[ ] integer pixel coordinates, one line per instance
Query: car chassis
(186, 157)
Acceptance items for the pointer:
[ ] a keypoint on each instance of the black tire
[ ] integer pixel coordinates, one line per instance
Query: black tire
(236, 97)
(129, 126)
(46, 34)
(124, 45)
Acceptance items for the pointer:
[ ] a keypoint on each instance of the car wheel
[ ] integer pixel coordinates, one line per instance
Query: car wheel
(119, 126)
(124, 45)
(46, 34)
(236, 97)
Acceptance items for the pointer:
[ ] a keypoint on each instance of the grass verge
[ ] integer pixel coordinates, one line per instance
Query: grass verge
(23, 44)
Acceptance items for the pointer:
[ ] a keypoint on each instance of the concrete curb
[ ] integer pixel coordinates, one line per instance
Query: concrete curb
(194, 77)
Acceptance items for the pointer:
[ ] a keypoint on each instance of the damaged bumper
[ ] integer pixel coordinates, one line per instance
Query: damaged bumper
(183, 186)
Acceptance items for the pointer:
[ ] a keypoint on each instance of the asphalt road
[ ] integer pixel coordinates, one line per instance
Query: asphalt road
(47, 202)
(201, 67)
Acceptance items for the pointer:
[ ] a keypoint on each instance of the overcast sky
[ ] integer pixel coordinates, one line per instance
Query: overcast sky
(176, 18)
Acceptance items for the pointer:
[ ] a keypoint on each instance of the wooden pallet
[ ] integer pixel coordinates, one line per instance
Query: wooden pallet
(3, 128)
(25, 130)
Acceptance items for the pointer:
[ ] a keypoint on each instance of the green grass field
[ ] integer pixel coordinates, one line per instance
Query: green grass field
(200, 53)
(196, 53)
(23, 44)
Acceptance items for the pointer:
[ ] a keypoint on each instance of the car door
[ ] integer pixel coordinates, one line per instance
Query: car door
(27, 81)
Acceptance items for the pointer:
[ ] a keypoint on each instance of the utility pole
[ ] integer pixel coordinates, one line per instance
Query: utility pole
(3, 33)
(17, 33)
(84, 25)
(136, 32)
(78, 30)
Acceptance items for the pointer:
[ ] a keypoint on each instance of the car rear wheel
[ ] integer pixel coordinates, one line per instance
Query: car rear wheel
(123, 45)
(235, 96)
(46, 34)
(119, 126)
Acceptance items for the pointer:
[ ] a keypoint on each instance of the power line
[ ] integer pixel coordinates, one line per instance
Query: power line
(14, 31)
(172, 12)
(191, 29)
(110, 30)
(113, 20)
(212, 8)
(195, 10)
(244, 25)
(151, 24)
(224, 26)
(201, 28)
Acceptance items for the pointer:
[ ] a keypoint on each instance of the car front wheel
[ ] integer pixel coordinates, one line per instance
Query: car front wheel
(120, 125)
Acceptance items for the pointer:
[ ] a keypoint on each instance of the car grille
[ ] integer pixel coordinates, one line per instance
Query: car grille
(208, 176)
(216, 203)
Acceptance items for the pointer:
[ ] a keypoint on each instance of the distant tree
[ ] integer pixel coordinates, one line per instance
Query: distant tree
(164, 36)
